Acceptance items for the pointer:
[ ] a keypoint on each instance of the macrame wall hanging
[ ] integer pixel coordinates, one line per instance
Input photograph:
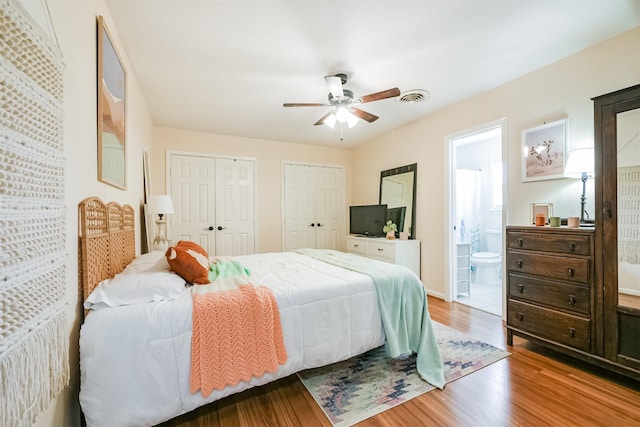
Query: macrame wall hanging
(628, 218)
(34, 329)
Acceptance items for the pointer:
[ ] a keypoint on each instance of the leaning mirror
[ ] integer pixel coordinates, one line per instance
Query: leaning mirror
(398, 192)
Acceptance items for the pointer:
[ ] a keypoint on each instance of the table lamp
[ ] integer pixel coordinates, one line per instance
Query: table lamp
(161, 205)
(581, 165)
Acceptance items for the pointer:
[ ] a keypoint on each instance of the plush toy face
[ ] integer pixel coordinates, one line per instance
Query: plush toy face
(190, 261)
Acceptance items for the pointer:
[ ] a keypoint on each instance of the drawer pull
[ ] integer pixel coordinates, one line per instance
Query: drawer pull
(519, 262)
(380, 249)
(572, 300)
(355, 245)
(572, 332)
(520, 242)
(570, 272)
(521, 316)
(572, 246)
(521, 288)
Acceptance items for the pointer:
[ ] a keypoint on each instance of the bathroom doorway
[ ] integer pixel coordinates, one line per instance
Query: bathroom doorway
(476, 200)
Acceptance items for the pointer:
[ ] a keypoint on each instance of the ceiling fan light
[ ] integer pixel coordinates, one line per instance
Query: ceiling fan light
(342, 114)
(352, 120)
(330, 120)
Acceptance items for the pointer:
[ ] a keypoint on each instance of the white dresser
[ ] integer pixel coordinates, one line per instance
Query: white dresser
(401, 252)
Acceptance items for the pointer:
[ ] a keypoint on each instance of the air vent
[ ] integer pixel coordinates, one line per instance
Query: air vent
(413, 96)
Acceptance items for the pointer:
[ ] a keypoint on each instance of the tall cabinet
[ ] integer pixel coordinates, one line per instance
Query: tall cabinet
(617, 198)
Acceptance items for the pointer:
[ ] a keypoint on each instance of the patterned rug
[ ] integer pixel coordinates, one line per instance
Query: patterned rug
(363, 386)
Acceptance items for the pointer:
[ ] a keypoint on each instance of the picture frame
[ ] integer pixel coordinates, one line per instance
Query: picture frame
(544, 151)
(111, 98)
(541, 208)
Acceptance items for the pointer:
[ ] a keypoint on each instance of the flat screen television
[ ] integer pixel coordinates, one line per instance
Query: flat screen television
(397, 215)
(367, 220)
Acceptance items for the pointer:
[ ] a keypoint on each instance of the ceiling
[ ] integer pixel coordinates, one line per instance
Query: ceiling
(227, 67)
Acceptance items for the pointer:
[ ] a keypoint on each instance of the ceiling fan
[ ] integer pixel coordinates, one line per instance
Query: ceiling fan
(344, 103)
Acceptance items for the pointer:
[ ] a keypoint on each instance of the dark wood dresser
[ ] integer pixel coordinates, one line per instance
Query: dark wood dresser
(550, 286)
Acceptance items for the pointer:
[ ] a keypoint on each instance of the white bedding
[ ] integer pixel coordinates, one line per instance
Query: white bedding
(135, 359)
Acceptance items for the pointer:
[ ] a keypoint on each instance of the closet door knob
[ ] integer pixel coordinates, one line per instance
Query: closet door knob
(313, 224)
(220, 228)
(319, 225)
(211, 228)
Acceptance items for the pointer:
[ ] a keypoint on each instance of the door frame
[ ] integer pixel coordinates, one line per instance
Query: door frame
(449, 179)
(282, 191)
(167, 177)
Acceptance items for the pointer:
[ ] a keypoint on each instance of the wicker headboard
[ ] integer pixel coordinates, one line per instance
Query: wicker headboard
(107, 241)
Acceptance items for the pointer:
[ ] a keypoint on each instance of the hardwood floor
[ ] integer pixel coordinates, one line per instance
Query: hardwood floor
(532, 387)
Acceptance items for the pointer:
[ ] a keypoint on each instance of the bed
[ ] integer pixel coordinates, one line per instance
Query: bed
(135, 352)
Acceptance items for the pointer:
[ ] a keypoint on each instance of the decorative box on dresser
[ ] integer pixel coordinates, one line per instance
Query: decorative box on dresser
(401, 252)
(551, 292)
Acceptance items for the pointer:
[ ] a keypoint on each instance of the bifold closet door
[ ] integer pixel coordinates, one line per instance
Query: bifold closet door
(313, 207)
(214, 203)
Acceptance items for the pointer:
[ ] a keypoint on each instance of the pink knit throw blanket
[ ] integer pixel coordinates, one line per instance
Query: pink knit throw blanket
(237, 335)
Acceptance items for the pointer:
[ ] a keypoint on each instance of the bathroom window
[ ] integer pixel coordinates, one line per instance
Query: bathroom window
(496, 186)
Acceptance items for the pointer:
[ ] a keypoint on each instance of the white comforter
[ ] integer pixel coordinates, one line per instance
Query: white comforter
(135, 359)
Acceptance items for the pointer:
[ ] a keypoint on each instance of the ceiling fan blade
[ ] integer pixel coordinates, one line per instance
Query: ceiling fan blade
(304, 104)
(389, 93)
(364, 115)
(323, 118)
(335, 86)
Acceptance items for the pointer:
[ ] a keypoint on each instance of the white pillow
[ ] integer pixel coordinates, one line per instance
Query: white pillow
(152, 261)
(147, 278)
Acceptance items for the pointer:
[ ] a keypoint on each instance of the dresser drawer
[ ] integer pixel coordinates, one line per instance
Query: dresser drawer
(356, 246)
(553, 267)
(560, 295)
(563, 243)
(562, 328)
(382, 250)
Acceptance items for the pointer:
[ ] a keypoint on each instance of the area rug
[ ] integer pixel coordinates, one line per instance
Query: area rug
(363, 386)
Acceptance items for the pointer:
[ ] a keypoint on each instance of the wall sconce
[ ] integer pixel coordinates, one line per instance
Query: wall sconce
(161, 205)
(581, 165)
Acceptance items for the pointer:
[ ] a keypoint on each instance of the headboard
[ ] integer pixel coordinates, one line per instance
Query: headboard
(107, 241)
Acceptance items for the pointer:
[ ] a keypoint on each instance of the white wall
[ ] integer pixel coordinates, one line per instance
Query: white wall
(269, 156)
(562, 89)
(75, 26)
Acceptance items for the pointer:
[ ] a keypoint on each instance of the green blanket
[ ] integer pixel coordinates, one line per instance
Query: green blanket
(403, 307)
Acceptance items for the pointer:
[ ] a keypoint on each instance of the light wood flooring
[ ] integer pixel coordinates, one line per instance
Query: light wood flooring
(532, 387)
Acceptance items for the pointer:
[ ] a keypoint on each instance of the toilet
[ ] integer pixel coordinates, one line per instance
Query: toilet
(486, 265)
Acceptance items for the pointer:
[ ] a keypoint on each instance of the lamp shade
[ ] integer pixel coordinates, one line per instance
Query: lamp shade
(161, 204)
(580, 162)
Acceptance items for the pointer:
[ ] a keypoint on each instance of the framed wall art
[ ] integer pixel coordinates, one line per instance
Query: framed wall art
(112, 93)
(545, 209)
(544, 151)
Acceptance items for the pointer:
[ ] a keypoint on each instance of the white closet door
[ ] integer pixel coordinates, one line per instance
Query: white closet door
(192, 192)
(214, 203)
(235, 213)
(314, 207)
(329, 207)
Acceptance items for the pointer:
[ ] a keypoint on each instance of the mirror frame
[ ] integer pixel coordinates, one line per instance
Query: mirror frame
(397, 171)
